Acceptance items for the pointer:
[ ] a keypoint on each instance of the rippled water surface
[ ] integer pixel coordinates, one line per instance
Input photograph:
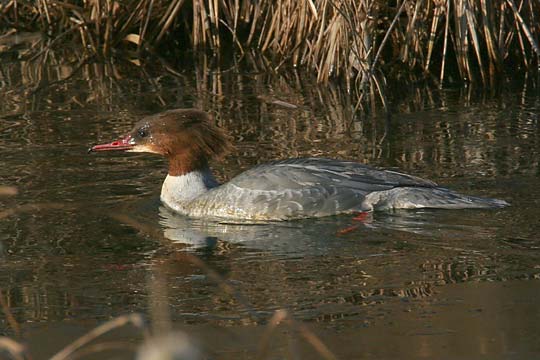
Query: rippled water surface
(86, 240)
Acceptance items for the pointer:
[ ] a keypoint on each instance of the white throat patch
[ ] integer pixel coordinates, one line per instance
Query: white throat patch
(178, 191)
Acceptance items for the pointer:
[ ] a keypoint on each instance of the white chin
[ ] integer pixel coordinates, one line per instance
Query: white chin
(143, 148)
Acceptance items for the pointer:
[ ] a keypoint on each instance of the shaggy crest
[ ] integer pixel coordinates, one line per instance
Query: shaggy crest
(187, 137)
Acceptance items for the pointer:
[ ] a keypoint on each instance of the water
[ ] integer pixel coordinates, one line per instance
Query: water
(86, 239)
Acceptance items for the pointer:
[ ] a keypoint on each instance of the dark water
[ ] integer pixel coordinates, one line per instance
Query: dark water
(86, 240)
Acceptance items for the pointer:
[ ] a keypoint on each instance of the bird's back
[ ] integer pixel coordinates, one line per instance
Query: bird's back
(300, 188)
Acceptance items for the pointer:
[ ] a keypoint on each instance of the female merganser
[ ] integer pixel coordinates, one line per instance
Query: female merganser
(279, 190)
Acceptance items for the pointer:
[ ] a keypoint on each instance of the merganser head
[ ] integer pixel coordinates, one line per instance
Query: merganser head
(187, 137)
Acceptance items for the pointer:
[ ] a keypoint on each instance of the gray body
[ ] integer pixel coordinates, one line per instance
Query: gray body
(307, 188)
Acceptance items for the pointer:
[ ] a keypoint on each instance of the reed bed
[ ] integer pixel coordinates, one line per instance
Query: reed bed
(366, 43)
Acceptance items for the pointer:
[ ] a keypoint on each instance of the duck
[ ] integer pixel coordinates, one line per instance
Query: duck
(279, 190)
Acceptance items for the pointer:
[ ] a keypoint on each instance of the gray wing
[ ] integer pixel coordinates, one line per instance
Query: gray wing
(314, 172)
(310, 187)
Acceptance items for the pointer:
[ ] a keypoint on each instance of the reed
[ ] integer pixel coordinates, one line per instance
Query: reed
(363, 42)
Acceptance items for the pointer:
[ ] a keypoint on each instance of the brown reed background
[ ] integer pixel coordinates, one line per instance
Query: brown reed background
(366, 43)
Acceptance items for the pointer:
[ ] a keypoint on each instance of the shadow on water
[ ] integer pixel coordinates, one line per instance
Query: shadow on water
(85, 238)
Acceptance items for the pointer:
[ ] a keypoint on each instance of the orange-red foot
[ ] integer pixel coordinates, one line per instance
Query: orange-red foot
(361, 216)
(347, 230)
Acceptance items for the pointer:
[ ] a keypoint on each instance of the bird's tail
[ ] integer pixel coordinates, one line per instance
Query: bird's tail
(433, 198)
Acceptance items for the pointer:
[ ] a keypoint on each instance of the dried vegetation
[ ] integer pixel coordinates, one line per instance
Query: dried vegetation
(365, 43)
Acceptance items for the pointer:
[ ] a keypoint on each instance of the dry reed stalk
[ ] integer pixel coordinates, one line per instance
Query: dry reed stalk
(167, 20)
(107, 35)
(348, 39)
(8, 190)
(472, 26)
(144, 28)
(9, 315)
(279, 316)
(313, 340)
(94, 349)
(488, 26)
(15, 349)
(283, 315)
(133, 319)
(524, 27)
(445, 46)
(438, 12)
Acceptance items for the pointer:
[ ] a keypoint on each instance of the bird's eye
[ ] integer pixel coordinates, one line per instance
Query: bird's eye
(142, 132)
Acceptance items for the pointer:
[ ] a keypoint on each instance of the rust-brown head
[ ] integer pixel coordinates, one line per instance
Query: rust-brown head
(187, 137)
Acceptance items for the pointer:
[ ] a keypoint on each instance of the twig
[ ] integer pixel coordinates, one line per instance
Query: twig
(445, 46)
(8, 190)
(524, 27)
(134, 319)
(40, 87)
(385, 39)
(16, 350)
(104, 346)
(9, 316)
(276, 319)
